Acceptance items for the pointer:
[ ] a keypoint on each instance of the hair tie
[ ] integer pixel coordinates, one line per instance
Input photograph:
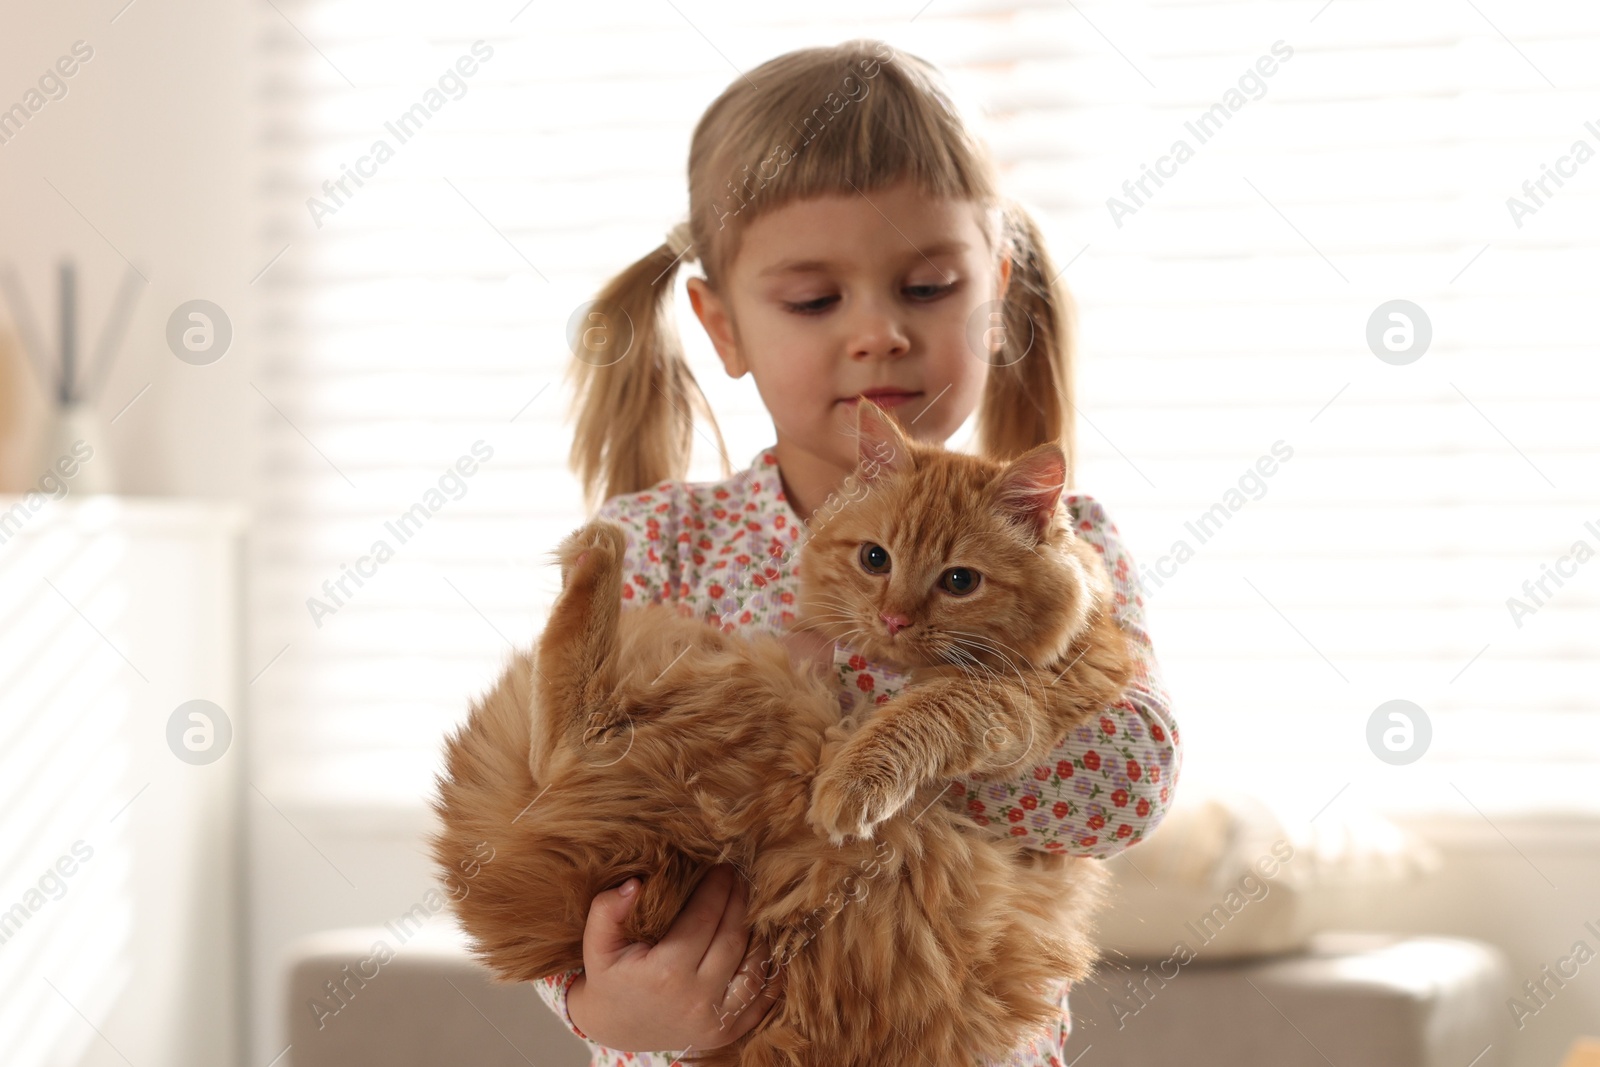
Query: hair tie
(678, 239)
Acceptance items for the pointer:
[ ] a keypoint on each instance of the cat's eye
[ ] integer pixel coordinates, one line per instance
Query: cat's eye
(959, 580)
(875, 558)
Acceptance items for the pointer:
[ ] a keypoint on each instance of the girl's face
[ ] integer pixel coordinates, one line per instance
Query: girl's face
(836, 295)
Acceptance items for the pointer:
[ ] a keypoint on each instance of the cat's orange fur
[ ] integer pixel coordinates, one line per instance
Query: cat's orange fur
(642, 742)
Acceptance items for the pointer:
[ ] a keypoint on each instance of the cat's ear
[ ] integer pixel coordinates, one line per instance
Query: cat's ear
(1029, 489)
(881, 446)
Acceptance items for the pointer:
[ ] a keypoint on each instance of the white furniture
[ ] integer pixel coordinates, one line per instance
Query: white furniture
(1378, 1000)
(431, 1004)
(114, 611)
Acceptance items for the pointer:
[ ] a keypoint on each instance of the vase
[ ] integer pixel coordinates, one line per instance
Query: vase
(74, 448)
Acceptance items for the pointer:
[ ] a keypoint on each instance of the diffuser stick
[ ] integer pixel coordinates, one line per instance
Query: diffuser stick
(69, 332)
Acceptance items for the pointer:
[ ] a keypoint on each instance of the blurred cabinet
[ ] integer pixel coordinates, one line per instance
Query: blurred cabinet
(121, 744)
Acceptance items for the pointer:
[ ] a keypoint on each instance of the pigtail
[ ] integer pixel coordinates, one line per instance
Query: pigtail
(1030, 395)
(634, 395)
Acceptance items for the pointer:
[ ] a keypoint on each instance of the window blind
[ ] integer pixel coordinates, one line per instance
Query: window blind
(414, 328)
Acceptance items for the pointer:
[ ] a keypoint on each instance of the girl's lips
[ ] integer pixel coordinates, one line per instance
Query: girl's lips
(887, 400)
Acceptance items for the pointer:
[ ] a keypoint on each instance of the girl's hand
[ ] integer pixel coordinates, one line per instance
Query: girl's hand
(699, 987)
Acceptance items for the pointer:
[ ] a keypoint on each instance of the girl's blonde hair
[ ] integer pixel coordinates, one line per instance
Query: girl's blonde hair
(864, 117)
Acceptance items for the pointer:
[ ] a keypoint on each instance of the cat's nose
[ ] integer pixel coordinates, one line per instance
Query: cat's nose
(896, 623)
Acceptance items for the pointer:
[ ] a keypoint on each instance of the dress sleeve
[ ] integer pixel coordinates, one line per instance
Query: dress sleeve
(553, 990)
(1110, 781)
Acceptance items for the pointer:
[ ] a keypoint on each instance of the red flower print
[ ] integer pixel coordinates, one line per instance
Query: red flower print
(1091, 760)
(1134, 770)
(719, 512)
(1015, 814)
(638, 579)
(864, 682)
(743, 560)
(975, 805)
(705, 542)
(1157, 733)
(627, 592)
(1107, 726)
(1064, 768)
(779, 521)
(1041, 773)
(699, 559)
(1096, 821)
(786, 598)
(683, 590)
(746, 617)
(1085, 842)
(1019, 831)
(981, 820)
(756, 526)
(653, 535)
(1124, 830)
(1059, 809)
(957, 789)
(858, 663)
(1155, 773)
(1143, 807)
(1120, 798)
(662, 507)
(1029, 801)
(1163, 794)
(883, 698)
(721, 494)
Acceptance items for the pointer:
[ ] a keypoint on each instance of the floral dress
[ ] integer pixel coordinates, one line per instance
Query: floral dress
(727, 552)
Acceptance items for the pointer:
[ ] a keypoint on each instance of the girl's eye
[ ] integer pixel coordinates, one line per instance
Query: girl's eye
(875, 559)
(922, 294)
(810, 307)
(959, 580)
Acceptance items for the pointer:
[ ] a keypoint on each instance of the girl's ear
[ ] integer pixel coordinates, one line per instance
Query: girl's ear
(1005, 276)
(1029, 489)
(714, 315)
(881, 448)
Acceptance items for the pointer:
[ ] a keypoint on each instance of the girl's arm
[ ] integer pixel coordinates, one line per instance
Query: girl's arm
(1111, 780)
(553, 990)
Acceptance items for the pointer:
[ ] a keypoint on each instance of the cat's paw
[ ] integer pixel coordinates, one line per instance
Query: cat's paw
(850, 799)
(589, 549)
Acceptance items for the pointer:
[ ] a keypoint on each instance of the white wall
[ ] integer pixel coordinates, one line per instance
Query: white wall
(152, 146)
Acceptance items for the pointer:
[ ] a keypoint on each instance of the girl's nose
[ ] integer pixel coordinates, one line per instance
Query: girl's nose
(896, 623)
(878, 334)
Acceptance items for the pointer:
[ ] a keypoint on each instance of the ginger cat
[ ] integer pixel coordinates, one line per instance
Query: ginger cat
(643, 742)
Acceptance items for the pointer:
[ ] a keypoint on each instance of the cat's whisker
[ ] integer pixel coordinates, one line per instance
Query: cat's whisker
(986, 644)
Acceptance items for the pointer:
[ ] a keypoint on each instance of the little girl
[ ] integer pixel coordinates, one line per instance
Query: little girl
(853, 242)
